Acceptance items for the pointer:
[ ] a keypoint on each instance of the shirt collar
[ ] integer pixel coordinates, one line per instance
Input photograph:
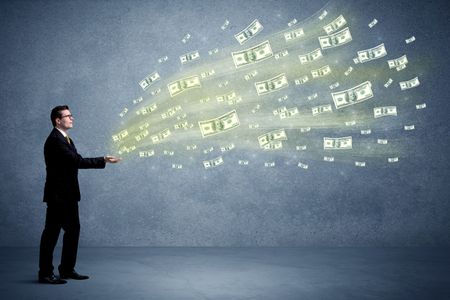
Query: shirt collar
(62, 132)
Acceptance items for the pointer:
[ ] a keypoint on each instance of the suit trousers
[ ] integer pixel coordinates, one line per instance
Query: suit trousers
(60, 215)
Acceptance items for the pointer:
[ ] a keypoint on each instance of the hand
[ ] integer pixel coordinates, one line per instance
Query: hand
(112, 159)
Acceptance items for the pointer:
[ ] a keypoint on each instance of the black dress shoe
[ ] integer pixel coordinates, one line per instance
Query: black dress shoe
(73, 275)
(51, 279)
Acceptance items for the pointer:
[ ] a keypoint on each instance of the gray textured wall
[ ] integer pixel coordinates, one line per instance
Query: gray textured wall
(91, 54)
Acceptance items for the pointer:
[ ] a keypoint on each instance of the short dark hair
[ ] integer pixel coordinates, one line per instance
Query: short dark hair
(56, 113)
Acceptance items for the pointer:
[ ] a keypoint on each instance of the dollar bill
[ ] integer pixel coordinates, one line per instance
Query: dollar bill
(177, 166)
(409, 84)
(294, 34)
(317, 110)
(301, 147)
(421, 106)
(250, 75)
(149, 80)
(279, 110)
(372, 53)
(354, 95)
(302, 165)
(125, 149)
(360, 163)
(382, 141)
(141, 135)
(230, 98)
(123, 112)
(168, 152)
(336, 39)
(350, 123)
(162, 59)
(388, 83)
(183, 125)
(252, 55)
(349, 70)
(191, 147)
(183, 116)
(144, 125)
(204, 100)
(270, 164)
(223, 84)
(311, 56)
(146, 153)
(177, 87)
(289, 113)
(323, 15)
(253, 126)
(213, 51)
(409, 127)
(225, 24)
(271, 137)
(161, 136)
(208, 73)
(243, 162)
(366, 131)
(208, 164)
(250, 31)
(271, 85)
(384, 111)
(275, 145)
(292, 22)
(220, 124)
(156, 92)
(373, 23)
(335, 25)
(138, 100)
(392, 159)
(410, 40)
(334, 85)
(281, 54)
(120, 136)
(283, 98)
(147, 109)
(186, 38)
(343, 143)
(312, 96)
(188, 57)
(227, 148)
(170, 112)
(301, 80)
(305, 129)
(398, 62)
(321, 72)
(256, 108)
(328, 158)
(208, 150)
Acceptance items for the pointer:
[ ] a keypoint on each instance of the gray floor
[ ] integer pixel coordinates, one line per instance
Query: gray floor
(236, 273)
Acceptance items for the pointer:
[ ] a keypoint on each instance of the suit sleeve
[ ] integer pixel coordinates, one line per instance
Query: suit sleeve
(70, 157)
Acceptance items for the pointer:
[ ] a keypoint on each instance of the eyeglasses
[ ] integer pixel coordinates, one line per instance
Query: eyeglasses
(68, 116)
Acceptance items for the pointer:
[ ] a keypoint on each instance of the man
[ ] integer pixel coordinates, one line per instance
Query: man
(62, 193)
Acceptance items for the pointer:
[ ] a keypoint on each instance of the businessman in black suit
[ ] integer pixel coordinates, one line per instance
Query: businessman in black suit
(62, 193)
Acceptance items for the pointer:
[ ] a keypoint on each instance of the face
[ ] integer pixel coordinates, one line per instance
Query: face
(66, 120)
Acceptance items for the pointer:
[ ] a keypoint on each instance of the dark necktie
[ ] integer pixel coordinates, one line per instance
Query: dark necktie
(68, 139)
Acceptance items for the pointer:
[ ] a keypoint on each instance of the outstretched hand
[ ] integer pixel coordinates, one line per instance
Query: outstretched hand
(112, 159)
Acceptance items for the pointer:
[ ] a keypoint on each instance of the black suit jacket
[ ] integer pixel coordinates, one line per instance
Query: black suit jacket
(62, 163)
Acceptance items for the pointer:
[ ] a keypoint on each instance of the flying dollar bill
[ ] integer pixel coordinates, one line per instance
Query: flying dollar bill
(158, 138)
(421, 106)
(225, 24)
(120, 136)
(410, 40)
(301, 147)
(301, 80)
(392, 159)
(149, 80)
(334, 85)
(317, 110)
(349, 70)
(186, 38)
(360, 163)
(372, 53)
(292, 22)
(138, 100)
(281, 54)
(350, 123)
(250, 75)
(208, 164)
(147, 109)
(328, 158)
(382, 141)
(373, 23)
(179, 86)
(366, 131)
(289, 113)
(146, 153)
(279, 110)
(253, 29)
(409, 127)
(321, 72)
(208, 73)
(191, 56)
(409, 84)
(294, 34)
(302, 165)
(336, 39)
(162, 59)
(227, 148)
(123, 112)
(357, 94)
(384, 111)
(271, 85)
(343, 143)
(335, 25)
(141, 135)
(311, 56)
(177, 166)
(252, 55)
(270, 164)
(388, 83)
(170, 112)
(243, 162)
(398, 63)
(272, 136)
(220, 124)
(323, 15)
